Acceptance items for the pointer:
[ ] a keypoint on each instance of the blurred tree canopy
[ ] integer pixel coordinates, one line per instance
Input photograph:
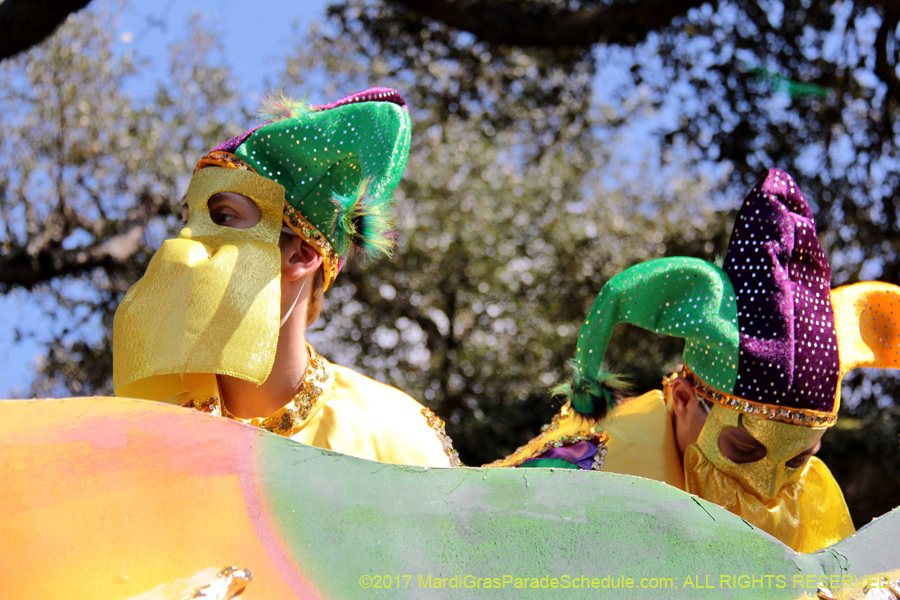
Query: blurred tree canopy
(555, 143)
(89, 177)
(644, 147)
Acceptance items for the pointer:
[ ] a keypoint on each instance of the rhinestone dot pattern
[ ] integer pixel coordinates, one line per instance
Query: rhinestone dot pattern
(330, 150)
(788, 345)
(681, 297)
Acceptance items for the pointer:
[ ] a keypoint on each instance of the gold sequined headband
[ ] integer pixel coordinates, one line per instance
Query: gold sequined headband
(794, 416)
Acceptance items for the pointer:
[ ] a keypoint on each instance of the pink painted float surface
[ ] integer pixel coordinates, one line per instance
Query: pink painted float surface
(94, 502)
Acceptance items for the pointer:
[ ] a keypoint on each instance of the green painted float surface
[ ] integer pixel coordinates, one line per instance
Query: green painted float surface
(443, 532)
(122, 496)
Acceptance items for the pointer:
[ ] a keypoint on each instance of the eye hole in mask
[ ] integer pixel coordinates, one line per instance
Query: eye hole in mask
(229, 209)
(739, 446)
(742, 448)
(801, 459)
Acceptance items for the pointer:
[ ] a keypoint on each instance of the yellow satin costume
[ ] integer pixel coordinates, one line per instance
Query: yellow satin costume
(638, 439)
(339, 409)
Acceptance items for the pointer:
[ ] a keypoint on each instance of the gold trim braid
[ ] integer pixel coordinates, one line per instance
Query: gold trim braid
(312, 236)
(437, 424)
(584, 430)
(794, 416)
(226, 160)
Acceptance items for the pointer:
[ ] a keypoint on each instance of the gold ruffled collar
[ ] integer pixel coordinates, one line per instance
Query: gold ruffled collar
(294, 415)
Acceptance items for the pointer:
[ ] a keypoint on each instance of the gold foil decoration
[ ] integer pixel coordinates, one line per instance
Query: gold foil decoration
(437, 424)
(229, 583)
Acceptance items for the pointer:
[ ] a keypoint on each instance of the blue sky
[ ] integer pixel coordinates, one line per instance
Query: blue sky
(255, 40)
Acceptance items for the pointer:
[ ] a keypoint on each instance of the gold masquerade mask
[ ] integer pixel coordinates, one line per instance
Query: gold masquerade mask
(209, 302)
(766, 477)
(803, 507)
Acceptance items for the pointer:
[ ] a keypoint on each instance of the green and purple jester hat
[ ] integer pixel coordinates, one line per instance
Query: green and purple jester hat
(759, 331)
(338, 163)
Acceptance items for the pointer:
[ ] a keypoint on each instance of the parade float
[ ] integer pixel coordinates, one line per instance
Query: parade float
(127, 499)
(116, 498)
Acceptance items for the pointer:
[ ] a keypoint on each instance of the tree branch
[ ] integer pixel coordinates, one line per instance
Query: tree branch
(532, 24)
(22, 270)
(42, 262)
(24, 23)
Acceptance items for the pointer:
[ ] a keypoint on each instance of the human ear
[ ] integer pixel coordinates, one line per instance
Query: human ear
(682, 395)
(298, 259)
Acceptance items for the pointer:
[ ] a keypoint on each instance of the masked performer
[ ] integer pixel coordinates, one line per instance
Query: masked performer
(218, 322)
(767, 343)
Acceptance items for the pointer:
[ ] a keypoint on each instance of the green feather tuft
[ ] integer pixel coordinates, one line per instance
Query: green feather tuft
(279, 106)
(593, 398)
(363, 223)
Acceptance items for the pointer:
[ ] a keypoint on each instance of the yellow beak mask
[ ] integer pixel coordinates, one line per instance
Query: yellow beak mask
(209, 302)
